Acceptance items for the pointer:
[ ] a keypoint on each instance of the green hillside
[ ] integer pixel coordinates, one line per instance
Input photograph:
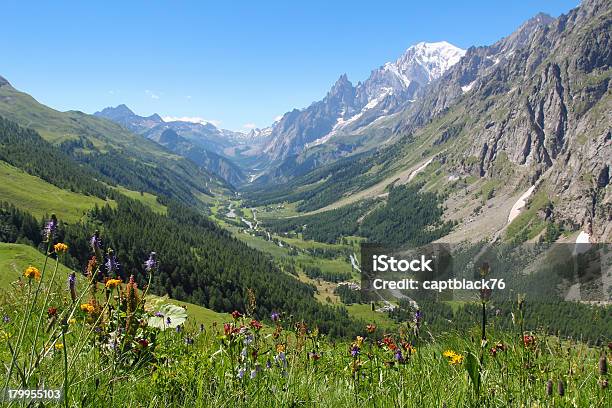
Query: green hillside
(40, 198)
(115, 153)
(15, 258)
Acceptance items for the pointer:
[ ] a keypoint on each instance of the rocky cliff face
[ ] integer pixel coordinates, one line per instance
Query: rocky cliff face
(544, 105)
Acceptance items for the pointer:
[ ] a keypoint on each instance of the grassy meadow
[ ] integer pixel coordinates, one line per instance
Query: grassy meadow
(108, 343)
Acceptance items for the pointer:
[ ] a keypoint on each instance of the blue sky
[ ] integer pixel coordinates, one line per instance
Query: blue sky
(238, 64)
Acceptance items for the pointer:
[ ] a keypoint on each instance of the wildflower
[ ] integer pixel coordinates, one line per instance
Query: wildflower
(253, 373)
(91, 266)
(188, 341)
(496, 348)
(95, 241)
(453, 357)
(354, 351)
(529, 340)
(159, 314)
(485, 294)
(151, 263)
(72, 286)
(143, 343)
(268, 364)
(60, 247)
(418, 316)
(236, 315)
(256, 325)
(561, 388)
(32, 273)
(281, 359)
(72, 321)
(371, 328)
(410, 349)
(113, 283)
(280, 348)
(168, 321)
(59, 346)
(6, 319)
(52, 311)
(112, 264)
(87, 307)
(241, 372)
(50, 228)
(275, 316)
(603, 364)
(358, 341)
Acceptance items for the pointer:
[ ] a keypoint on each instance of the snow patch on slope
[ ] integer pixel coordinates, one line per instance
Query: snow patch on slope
(520, 203)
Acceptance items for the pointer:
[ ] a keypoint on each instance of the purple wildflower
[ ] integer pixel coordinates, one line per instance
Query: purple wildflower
(178, 328)
(241, 373)
(151, 263)
(6, 319)
(354, 351)
(95, 241)
(159, 314)
(418, 315)
(50, 228)
(281, 358)
(168, 321)
(72, 286)
(398, 356)
(112, 264)
(275, 316)
(268, 364)
(188, 341)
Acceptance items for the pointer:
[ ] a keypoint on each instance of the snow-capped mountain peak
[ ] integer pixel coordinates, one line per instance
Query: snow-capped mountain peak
(347, 108)
(424, 62)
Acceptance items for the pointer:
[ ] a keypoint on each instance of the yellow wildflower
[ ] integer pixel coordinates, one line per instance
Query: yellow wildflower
(453, 358)
(32, 273)
(60, 247)
(59, 346)
(86, 307)
(72, 321)
(280, 348)
(113, 283)
(358, 341)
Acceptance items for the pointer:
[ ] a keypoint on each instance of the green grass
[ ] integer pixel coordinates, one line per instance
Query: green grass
(38, 197)
(148, 199)
(364, 312)
(15, 258)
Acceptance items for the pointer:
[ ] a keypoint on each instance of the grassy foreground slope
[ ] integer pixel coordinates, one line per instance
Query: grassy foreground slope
(15, 258)
(241, 364)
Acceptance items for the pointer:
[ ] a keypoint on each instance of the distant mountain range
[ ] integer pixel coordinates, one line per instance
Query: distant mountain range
(203, 143)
